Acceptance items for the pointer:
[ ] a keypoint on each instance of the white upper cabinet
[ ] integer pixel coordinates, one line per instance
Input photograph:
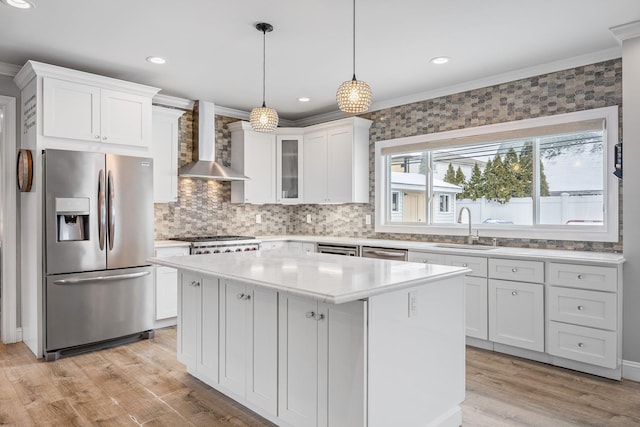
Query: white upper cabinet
(336, 162)
(289, 169)
(165, 149)
(80, 111)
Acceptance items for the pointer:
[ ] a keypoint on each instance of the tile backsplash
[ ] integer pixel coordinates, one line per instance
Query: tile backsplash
(204, 207)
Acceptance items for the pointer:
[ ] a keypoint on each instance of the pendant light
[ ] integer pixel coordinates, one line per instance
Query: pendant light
(354, 96)
(263, 119)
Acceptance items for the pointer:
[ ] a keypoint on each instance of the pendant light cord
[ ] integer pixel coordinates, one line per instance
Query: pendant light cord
(264, 65)
(354, 39)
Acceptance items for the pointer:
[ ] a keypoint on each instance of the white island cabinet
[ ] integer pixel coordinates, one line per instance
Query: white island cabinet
(308, 339)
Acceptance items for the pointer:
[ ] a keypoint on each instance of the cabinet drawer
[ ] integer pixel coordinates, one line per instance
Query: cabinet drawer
(587, 345)
(278, 244)
(172, 251)
(583, 276)
(585, 308)
(478, 265)
(521, 271)
(426, 257)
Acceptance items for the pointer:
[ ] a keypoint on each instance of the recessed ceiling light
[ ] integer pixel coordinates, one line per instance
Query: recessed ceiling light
(439, 60)
(304, 99)
(156, 60)
(20, 4)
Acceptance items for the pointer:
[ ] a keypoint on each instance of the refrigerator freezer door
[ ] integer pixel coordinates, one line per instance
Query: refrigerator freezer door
(92, 307)
(71, 182)
(130, 211)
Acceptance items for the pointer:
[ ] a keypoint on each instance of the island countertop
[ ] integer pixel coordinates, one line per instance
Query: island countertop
(328, 278)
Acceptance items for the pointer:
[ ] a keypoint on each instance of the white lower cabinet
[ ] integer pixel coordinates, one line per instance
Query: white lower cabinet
(198, 325)
(516, 314)
(167, 284)
(248, 343)
(475, 305)
(322, 363)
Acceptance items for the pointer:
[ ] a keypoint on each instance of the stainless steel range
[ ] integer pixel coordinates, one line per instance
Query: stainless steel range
(220, 244)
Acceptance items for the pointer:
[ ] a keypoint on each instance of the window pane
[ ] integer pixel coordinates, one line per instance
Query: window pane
(571, 179)
(493, 180)
(408, 178)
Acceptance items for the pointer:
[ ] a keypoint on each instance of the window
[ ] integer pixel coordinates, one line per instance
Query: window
(549, 177)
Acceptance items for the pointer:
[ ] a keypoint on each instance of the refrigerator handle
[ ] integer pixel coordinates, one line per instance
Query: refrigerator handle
(112, 210)
(102, 209)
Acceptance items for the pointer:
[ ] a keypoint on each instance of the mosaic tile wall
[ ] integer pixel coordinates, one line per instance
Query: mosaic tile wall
(204, 207)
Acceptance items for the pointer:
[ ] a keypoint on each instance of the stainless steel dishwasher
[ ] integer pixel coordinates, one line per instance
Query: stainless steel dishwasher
(384, 253)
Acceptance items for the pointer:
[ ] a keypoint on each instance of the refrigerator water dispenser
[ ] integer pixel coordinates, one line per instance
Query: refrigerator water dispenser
(72, 219)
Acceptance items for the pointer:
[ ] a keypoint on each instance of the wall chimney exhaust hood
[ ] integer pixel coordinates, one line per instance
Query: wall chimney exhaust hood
(204, 152)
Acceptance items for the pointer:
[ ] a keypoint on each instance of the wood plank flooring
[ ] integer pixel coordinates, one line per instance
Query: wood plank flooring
(143, 384)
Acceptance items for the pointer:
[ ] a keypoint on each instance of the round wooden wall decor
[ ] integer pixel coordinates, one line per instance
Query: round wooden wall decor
(25, 170)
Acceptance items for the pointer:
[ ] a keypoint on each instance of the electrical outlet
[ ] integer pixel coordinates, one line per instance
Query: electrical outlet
(309, 218)
(367, 219)
(413, 304)
(258, 219)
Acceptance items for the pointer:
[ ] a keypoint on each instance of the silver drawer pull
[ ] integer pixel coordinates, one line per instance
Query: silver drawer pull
(195, 283)
(320, 316)
(247, 297)
(514, 293)
(310, 314)
(580, 276)
(240, 296)
(465, 264)
(580, 344)
(580, 307)
(514, 270)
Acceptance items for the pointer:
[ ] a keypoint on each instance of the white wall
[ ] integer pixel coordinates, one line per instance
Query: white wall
(631, 210)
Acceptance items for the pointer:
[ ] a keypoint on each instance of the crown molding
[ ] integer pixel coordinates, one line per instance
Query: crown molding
(626, 31)
(9, 69)
(172, 101)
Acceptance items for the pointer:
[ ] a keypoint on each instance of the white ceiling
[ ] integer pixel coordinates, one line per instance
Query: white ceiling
(215, 53)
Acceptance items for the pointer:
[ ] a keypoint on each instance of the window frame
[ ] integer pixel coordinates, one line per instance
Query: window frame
(609, 232)
(447, 203)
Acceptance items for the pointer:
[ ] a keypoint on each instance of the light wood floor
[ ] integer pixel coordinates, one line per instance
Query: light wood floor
(142, 383)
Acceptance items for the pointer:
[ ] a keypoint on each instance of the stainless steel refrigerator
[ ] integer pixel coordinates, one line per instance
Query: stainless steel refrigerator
(98, 235)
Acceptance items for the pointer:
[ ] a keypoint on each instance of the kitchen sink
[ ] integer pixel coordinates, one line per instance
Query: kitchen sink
(464, 246)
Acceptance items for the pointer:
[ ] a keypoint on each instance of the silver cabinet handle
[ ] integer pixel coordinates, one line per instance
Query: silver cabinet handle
(580, 344)
(96, 136)
(320, 316)
(101, 278)
(580, 277)
(514, 270)
(310, 314)
(104, 138)
(580, 307)
(514, 293)
(464, 264)
(240, 296)
(247, 297)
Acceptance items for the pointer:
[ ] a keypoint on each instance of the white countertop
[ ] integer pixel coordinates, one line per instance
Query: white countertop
(329, 278)
(558, 255)
(169, 243)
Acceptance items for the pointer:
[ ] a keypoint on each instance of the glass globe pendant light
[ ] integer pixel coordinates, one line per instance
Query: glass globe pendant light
(354, 96)
(263, 119)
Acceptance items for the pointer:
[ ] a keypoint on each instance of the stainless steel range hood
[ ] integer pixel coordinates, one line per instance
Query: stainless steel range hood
(204, 156)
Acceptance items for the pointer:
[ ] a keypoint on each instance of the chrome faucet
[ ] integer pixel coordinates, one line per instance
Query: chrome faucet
(470, 238)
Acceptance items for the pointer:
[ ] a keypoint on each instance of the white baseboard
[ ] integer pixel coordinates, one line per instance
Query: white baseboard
(630, 370)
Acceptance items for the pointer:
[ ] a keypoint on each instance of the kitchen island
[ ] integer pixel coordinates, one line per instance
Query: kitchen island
(308, 339)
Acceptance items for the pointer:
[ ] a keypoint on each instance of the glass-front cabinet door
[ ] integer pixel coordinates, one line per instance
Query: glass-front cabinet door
(289, 179)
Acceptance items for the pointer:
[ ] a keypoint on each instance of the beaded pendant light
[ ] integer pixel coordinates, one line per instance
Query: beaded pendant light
(354, 96)
(263, 119)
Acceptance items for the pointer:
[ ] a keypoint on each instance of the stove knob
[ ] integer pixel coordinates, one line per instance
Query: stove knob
(198, 252)
(247, 249)
(238, 250)
(254, 249)
(217, 251)
(207, 252)
(227, 250)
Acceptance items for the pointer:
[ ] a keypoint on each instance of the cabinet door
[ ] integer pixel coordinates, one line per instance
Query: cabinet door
(340, 161)
(289, 169)
(260, 166)
(476, 321)
(298, 361)
(125, 118)
(315, 167)
(164, 146)
(233, 336)
(71, 110)
(342, 366)
(188, 301)
(262, 348)
(166, 292)
(516, 314)
(207, 363)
